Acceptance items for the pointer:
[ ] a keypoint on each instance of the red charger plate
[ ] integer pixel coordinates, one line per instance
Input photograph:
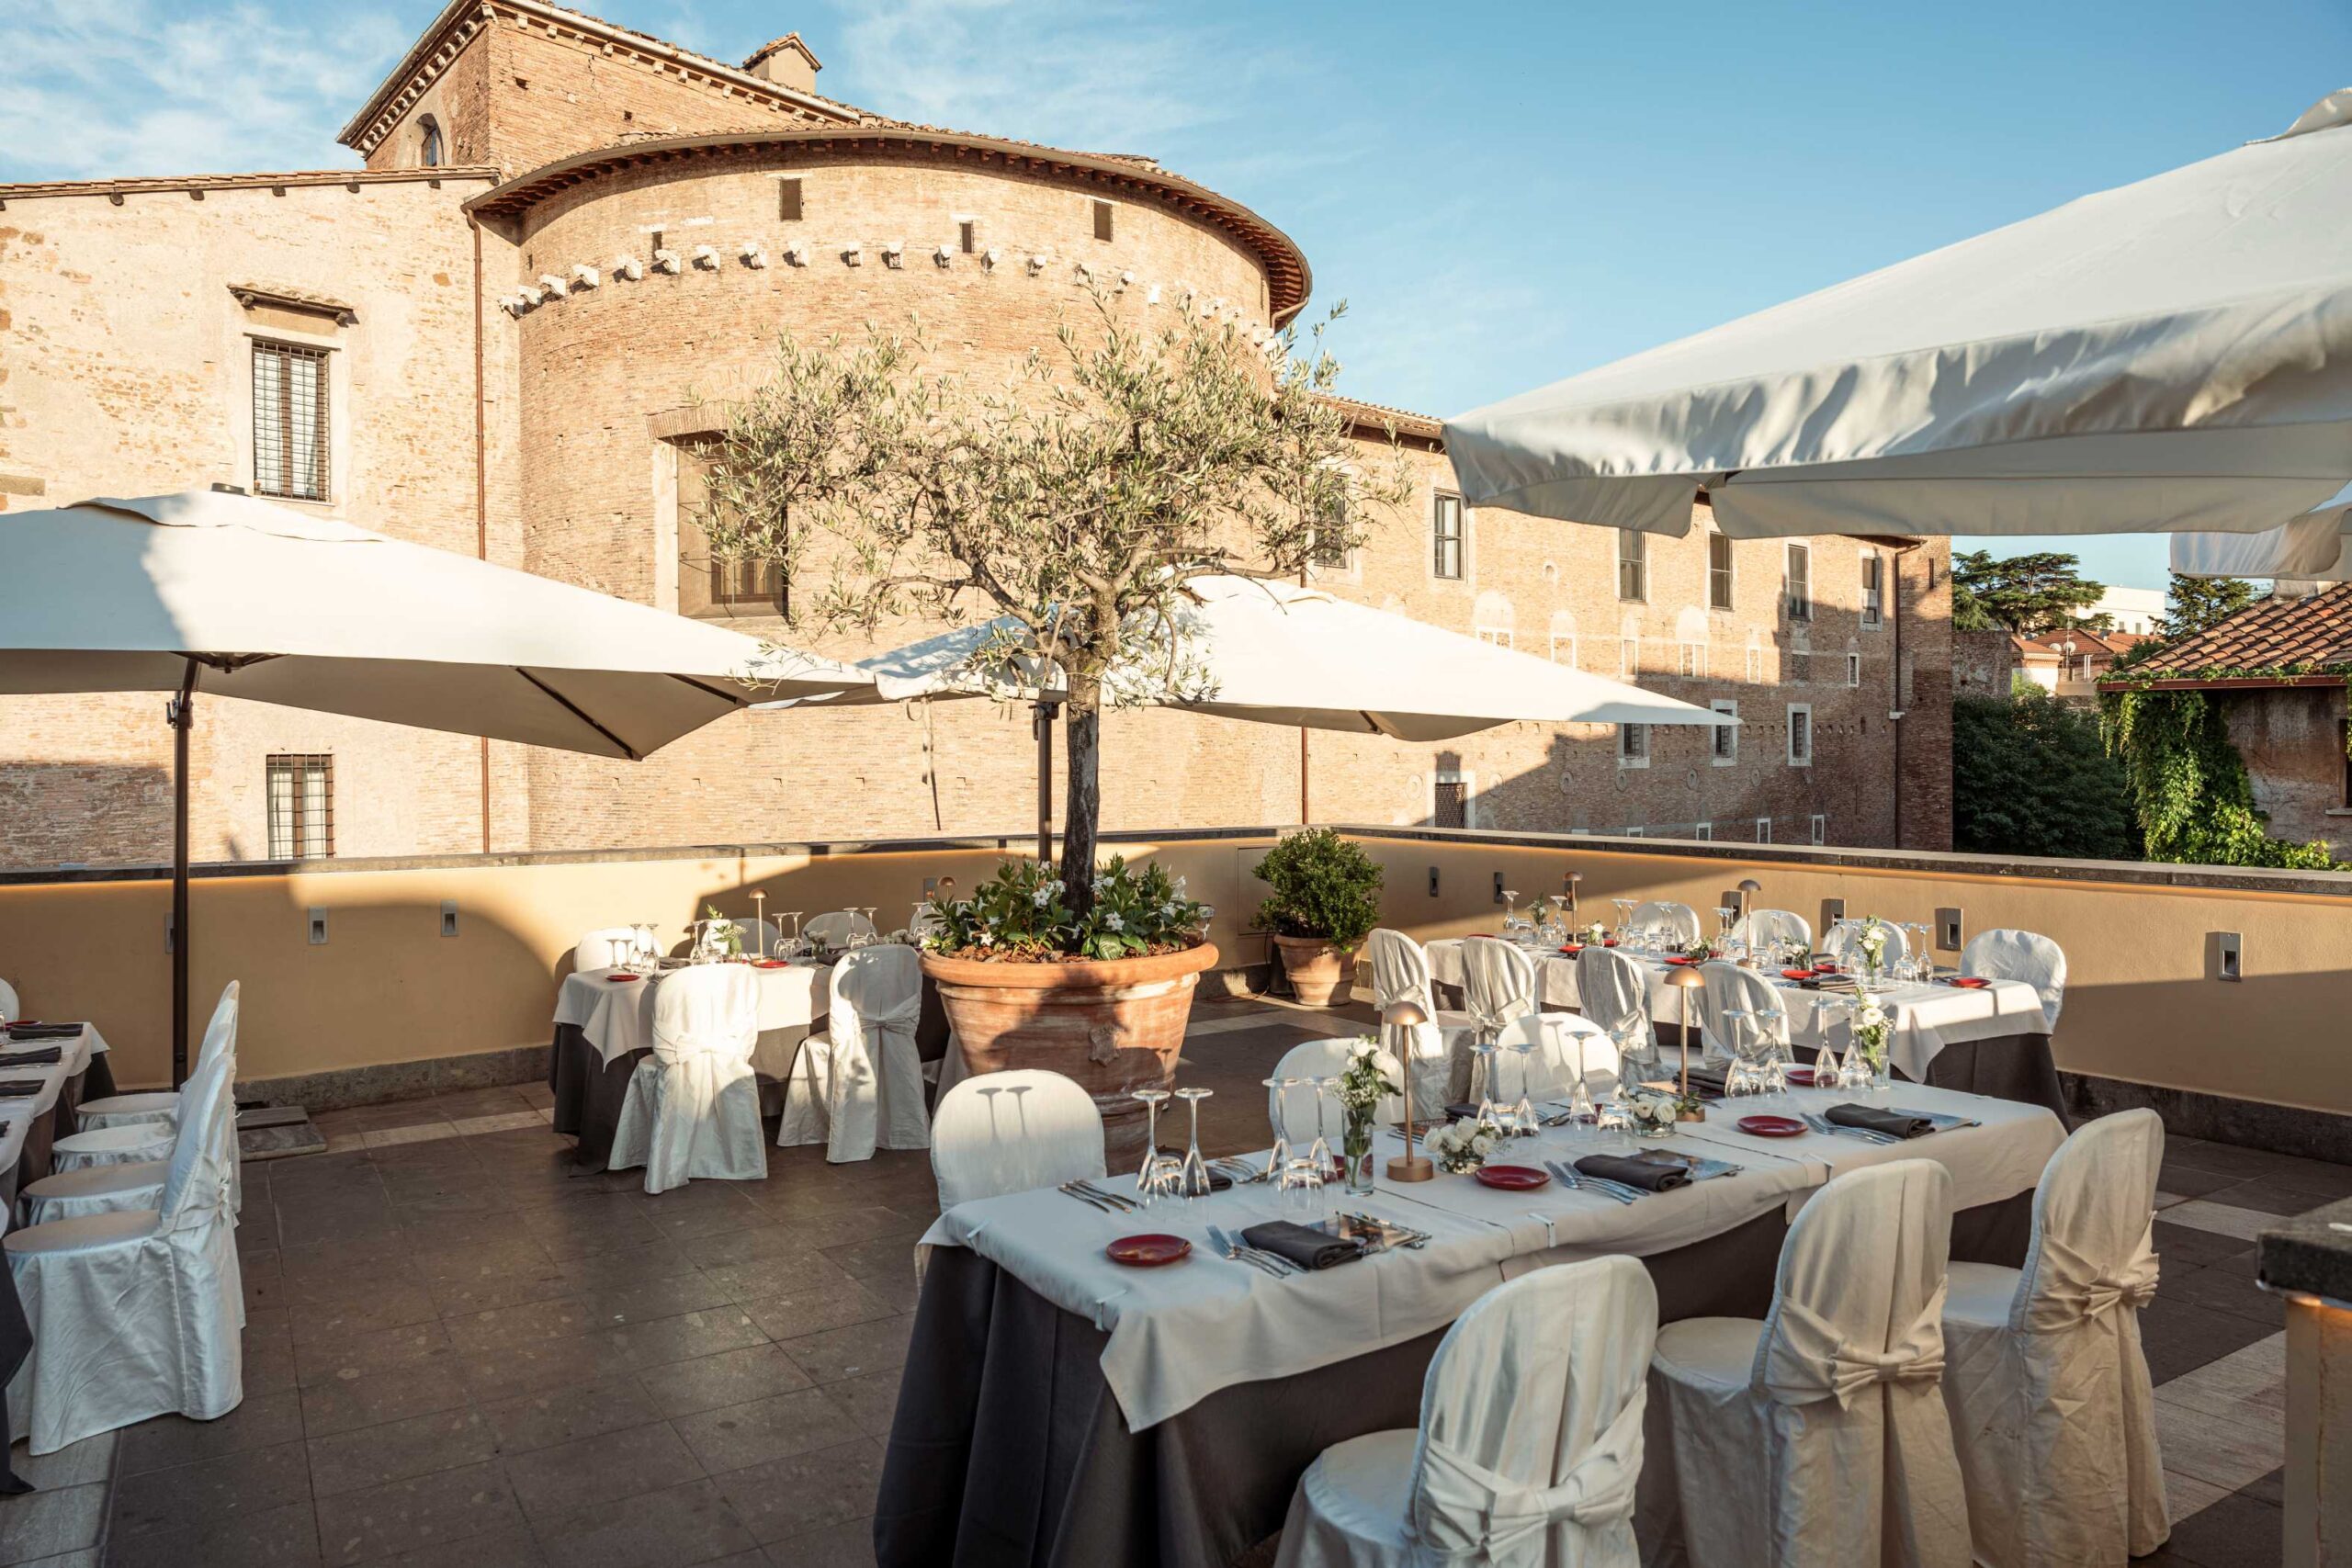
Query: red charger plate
(1511, 1177)
(1801, 1077)
(1686, 963)
(1611, 943)
(1968, 982)
(1797, 973)
(1148, 1251)
(1574, 947)
(769, 963)
(1824, 968)
(623, 979)
(1770, 1126)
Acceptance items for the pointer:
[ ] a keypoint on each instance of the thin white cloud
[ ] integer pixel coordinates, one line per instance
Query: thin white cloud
(93, 89)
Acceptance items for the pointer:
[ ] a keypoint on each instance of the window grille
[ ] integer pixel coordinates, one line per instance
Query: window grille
(301, 807)
(1632, 564)
(1451, 803)
(1445, 536)
(1874, 588)
(1718, 572)
(291, 433)
(1800, 582)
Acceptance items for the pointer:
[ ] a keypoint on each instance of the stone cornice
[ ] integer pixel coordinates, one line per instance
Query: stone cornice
(195, 185)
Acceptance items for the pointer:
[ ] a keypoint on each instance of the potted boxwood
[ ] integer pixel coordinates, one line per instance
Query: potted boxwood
(1326, 900)
(1101, 996)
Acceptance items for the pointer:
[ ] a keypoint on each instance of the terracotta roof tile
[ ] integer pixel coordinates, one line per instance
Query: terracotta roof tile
(2276, 634)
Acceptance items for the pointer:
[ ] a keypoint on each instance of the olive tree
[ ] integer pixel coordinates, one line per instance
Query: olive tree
(1071, 502)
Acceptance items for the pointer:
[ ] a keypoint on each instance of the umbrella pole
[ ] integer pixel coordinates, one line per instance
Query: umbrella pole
(183, 715)
(1041, 721)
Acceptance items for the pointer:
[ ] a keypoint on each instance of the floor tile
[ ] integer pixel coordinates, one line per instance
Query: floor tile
(2236, 1532)
(260, 1421)
(641, 1301)
(559, 1317)
(514, 1547)
(813, 1310)
(42, 1524)
(2228, 1451)
(730, 1377)
(2189, 1246)
(2184, 1494)
(340, 1404)
(846, 1545)
(423, 1511)
(2268, 1197)
(76, 1464)
(2178, 1336)
(283, 1537)
(684, 1525)
(372, 1456)
(683, 1337)
(879, 1346)
(357, 1354)
(209, 1491)
(793, 1494)
(871, 1400)
(736, 1436)
(361, 1311)
(2220, 1218)
(546, 1419)
(554, 1483)
(2226, 1289)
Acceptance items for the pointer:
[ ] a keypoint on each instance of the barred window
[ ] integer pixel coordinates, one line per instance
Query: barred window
(1798, 588)
(1718, 572)
(1449, 804)
(711, 585)
(290, 421)
(1445, 534)
(301, 807)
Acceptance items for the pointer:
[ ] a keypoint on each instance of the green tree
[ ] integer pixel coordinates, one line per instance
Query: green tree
(2193, 604)
(2027, 594)
(2030, 777)
(1074, 499)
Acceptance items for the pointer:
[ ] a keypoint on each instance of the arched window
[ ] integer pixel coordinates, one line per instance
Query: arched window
(429, 143)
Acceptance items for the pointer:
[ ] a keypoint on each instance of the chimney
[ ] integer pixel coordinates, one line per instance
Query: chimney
(787, 63)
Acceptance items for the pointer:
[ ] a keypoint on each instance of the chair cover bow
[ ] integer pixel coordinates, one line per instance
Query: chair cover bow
(1466, 1506)
(2071, 1289)
(1808, 1361)
(898, 1017)
(1495, 990)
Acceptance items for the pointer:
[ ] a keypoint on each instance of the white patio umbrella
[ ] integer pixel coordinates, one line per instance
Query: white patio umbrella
(2313, 547)
(234, 596)
(1277, 654)
(2170, 355)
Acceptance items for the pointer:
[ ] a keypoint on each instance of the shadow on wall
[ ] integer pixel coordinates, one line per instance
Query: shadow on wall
(51, 813)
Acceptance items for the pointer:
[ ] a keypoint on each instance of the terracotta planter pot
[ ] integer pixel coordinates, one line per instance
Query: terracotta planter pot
(1114, 1026)
(1318, 972)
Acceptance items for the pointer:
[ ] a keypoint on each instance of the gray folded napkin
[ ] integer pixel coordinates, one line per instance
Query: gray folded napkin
(1302, 1244)
(20, 1089)
(1893, 1123)
(48, 1058)
(43, 1031)
(1650, 1176)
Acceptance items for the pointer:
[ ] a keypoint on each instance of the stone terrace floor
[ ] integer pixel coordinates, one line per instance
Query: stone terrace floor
(458, 1353)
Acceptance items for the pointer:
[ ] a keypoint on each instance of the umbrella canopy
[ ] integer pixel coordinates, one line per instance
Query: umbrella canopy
(276, 606)
(2170, 355)
(1276, 653)
(2313, 547)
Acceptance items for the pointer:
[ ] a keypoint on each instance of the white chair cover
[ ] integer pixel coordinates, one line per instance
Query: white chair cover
(1498, 984)
(1014, 1131)
(692, 1106)
(1679, 920)
(94, 1190)
(1818, 1439)
(858, 1086)
(161, 1106)
(836, 928)
(1729, 988)
(1567, 1046)
(1292, 1111)
(1400, 972)
(2044, 1376)
(2020, 955)
(1529, 1446)
(1764, 926)
(602, 949)
(1615, 992)
(9, 1007)
(1839, 944)
(137, 1313)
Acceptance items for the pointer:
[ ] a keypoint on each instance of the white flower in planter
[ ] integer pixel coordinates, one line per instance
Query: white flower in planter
(1113, 923)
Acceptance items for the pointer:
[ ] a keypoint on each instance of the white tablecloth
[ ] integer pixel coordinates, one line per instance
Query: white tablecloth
(617, 1015)
(1181, 1332)
(1927, 1017)
(21, 1114)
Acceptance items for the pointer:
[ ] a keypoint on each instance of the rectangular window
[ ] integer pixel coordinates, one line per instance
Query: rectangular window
(1820, 828)
(301, 807)
(1691, 658)
(707, 585)
(1718, 572)
(1449, 804)
(1500, 637)
(291, 431)
(1101, 220)
(1799, 591)
(1800, 735)
(1724, 746)
(1632, 564)
(1633, 745)
(1629, 655)
(968, 236)
(2344, 750)
(1330, 547)
(787, 202)
(1874, 588)
(1763, 829)
(1703, 831)
(1853, 670)
(1445, 534)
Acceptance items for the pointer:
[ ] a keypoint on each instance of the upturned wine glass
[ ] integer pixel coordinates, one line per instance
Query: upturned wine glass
(1154, 1176)
(1524, 1123)
(1193, 1178)
(1278, 1100)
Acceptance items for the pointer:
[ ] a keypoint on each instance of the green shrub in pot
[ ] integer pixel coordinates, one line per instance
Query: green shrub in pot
(1325, 900)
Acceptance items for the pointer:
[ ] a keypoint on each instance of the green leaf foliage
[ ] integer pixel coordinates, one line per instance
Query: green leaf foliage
(2189, 785)
(1323, 885)
(2028, 593)
(2030, 777)
(2193, 604)
(1023, 914)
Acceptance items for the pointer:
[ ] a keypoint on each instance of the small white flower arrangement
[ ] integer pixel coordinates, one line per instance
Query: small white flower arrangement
(1872, 944)
(1653, 1113)
(1596, 934)
(1460, 1147)
(1874, 1027)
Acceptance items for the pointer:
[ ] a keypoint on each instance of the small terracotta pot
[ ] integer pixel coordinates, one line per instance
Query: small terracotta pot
(1318, 972)
(1112, 1025)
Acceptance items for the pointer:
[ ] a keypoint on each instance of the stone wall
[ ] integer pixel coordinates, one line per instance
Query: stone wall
(2293, 741)
(1984, 663)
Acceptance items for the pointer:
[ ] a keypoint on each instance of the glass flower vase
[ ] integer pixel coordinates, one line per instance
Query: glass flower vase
(1355, 1144)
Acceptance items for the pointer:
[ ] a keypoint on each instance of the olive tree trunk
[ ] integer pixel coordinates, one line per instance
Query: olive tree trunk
(1082, 803)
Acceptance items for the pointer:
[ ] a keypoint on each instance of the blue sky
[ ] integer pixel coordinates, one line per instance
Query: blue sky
(1504, 194)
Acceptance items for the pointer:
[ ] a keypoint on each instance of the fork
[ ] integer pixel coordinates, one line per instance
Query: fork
(1125, 1205)
(1280, 1268)
(1069, 1190)
(1576, 1183)
(1823, 1124)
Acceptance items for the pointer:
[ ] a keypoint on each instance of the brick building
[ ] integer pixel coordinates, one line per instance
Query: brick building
(508, 334)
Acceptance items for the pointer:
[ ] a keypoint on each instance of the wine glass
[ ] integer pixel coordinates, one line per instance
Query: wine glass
(1488, 1116)
(1559, 902)
(1522, 1115)
(1193, 1177)
(793, 947)
(1724, 914)
(1510, 911)
(1279, 1156)
(1157, 1172)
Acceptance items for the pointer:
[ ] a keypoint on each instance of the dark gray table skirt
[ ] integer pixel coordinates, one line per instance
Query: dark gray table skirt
(32, 1164)
(1008, 1447)
(2004, 1067)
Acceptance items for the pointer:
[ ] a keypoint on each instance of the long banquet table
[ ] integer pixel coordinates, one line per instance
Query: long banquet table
(1988, 1040)
(1057, 1409)
(32, 1124)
